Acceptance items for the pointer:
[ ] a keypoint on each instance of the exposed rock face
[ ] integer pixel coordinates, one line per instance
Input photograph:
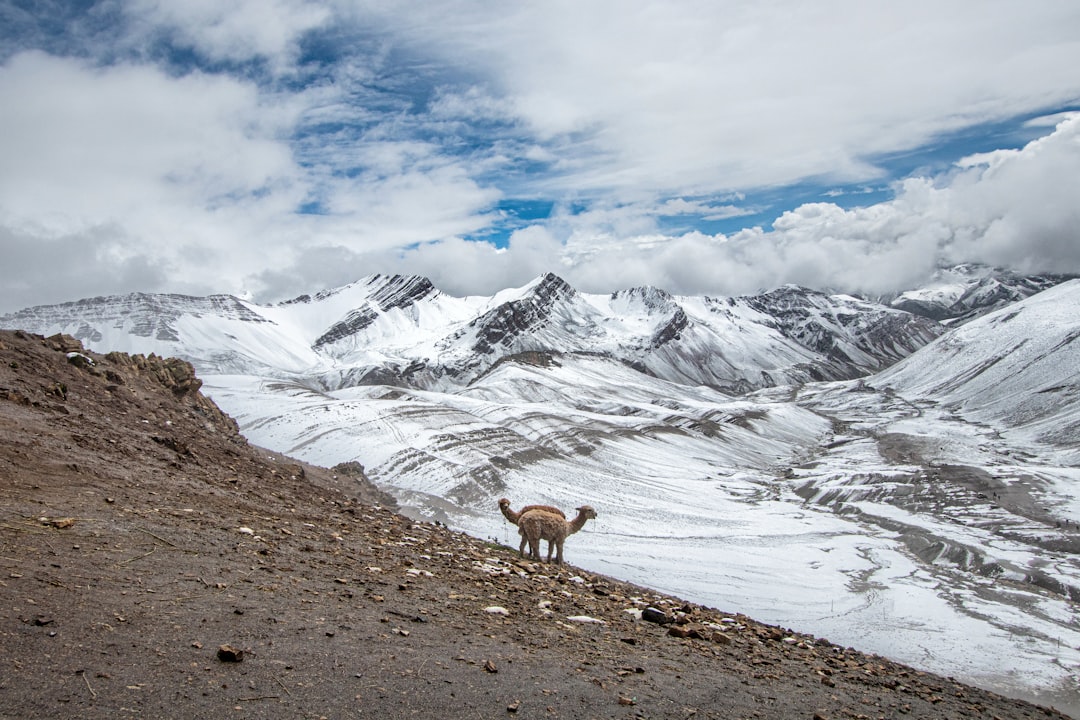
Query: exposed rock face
(855, 336)
(510, 321)
(965, 292)
(398, 291)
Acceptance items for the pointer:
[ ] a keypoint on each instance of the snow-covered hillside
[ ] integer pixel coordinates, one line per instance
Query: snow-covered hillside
(1017, 369)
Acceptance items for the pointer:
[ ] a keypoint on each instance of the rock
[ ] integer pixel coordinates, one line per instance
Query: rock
(653, 615)
(227, 653)
(83, 362)
(64, 343)
(490, 666)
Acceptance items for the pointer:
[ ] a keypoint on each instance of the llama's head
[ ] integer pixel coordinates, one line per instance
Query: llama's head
(587, 511)
(504, 503)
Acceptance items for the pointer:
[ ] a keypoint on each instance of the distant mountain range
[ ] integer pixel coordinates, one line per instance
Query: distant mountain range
(402, 331)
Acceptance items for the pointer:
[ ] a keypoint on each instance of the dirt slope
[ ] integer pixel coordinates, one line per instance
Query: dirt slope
(139, 533)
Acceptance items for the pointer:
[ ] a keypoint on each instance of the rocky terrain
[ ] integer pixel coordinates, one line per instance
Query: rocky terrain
(153, 564)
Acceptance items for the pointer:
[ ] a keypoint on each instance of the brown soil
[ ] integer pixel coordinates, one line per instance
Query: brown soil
(140, 535)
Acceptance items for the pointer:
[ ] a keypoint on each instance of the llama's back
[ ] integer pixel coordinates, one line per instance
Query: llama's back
(542, 525)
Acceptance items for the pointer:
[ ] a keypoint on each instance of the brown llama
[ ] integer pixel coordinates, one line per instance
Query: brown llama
(537, 525)
(504, 506)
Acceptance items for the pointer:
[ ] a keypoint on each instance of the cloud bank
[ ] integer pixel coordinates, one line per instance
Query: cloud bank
(204, 148)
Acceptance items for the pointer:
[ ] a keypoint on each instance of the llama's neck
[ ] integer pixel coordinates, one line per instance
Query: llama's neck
(578, 522)
(510, 514)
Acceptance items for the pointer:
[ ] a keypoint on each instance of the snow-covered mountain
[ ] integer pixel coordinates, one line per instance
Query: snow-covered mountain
(403, 331)
(963, 292)
(926, 512)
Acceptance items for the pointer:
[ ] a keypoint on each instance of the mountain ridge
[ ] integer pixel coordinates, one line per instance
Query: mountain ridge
(402, 330)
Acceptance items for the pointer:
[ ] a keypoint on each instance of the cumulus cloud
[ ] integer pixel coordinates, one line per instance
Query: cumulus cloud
(83, 143)
(1013, 208)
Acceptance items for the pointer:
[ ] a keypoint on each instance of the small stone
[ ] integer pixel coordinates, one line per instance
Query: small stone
(227, 653)
(653, 615)
(513, 707)
(490, 666)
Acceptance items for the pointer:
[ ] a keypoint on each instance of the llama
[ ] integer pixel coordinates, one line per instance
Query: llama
(537, 525)
(512, 516)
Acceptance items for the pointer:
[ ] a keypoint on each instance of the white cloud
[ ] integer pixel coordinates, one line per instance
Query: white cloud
(686, 97)
(82, 144)
(193, 174)
(234, 31)
(1013, 208)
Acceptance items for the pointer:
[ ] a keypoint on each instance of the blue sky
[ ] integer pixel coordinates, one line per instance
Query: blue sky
(278, 147)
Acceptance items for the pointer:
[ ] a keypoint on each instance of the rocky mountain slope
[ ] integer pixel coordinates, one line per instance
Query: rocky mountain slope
(155, 564)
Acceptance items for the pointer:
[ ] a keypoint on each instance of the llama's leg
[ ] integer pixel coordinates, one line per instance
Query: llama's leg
(559, 559)
(521, 548)
(527, 533)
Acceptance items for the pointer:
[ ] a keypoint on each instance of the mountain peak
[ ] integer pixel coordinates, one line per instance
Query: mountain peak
(385, 293)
